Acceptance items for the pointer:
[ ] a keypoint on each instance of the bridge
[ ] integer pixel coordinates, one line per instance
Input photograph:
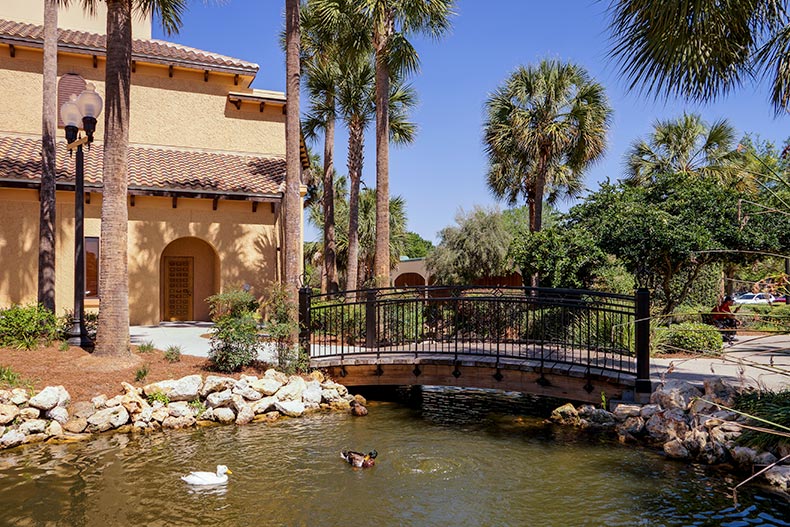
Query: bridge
(563, 343)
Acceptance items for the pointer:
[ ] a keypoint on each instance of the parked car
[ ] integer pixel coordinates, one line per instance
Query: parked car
(755, 298)
(782, 299)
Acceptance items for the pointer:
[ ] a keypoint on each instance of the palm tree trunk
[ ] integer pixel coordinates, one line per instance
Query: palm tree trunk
(112, 338)
(293, 177)
(356, 142)
(536, 210)
(49, 112)
(330, 241)
(381, 265)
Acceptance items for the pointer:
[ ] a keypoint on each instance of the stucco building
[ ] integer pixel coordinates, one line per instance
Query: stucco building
(206, 169)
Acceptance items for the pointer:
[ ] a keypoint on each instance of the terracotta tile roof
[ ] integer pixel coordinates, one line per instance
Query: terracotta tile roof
(158, 51)
(154, 169)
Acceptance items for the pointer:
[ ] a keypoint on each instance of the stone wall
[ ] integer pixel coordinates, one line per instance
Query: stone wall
(686, 424)
(191, 401)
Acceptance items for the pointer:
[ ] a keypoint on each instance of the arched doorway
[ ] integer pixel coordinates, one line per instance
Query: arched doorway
(189, 273)
(409, 280)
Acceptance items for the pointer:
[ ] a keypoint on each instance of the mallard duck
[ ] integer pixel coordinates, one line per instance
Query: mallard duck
(358, 459)
(208, 478)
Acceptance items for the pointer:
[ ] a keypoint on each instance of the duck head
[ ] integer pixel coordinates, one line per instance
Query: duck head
(372, 454)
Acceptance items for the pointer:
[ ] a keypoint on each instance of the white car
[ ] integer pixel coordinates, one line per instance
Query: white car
(755, 298)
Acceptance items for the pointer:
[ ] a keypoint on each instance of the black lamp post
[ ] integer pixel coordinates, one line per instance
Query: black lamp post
(80, 112)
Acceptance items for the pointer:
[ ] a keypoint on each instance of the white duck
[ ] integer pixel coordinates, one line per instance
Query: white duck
(208, 478)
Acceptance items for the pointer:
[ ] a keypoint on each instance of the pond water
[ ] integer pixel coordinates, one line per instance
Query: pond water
(450, 462)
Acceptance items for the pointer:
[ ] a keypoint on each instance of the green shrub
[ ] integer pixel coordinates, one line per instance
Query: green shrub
(281, 325)
(234, 303)
(160, 397)
(689, 337)
(146, 347)
(689, 313)
(9, 377)
(762, 317)
(198, 406)
(141, 373)
(234, 341)
(173, 354)
(24, 327)
(336, 319)
(602, 330)
(768, 405)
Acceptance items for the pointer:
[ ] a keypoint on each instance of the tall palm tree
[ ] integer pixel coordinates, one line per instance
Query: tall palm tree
(292, 207)
(702, 49)
(357, 106)
(112, 337)
(687, 145)
(545, 126)
(392, 21)
(330, 32)
(49, 113)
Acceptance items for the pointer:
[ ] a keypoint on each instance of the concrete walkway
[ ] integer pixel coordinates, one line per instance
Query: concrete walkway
(755, 361)
(759, 361)
(191, 337)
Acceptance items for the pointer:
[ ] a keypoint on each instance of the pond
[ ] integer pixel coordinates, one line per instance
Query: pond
(458, 459)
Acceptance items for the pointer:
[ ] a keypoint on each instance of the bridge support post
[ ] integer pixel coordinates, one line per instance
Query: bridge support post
(370, 319)
(642, 337)
(304, 319)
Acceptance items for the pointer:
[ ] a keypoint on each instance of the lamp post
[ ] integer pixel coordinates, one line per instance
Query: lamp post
(80, 113)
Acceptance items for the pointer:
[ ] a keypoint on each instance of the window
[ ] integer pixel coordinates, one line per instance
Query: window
(91, 267)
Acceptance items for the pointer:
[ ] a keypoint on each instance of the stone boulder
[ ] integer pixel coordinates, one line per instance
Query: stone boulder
(184, 389)
(719, 392)
(593, 417)
(696, 440)
(76, 425)
(264, 405)
(59, 414)
(290, 408)
(107, 419)
(743, 456)
(29, 413)
(266, 386)
(311, 396)
(224, 415)
(675, 449)
(54, 429)
(19, 396)
(215, 383)
(667, 425)
(293, 390)
(82, 409)
(244, 412)
(330, 395)
(245, 390)
(358, 409)
(778, 476)
(566, 415)
(11, 439)
(179, 409)
(624, 411)
(8, 413)
(675, 394)
(219, 399)
(183, 421)
(34, 426)
(279, 376)
(49, 398)
(633, 426)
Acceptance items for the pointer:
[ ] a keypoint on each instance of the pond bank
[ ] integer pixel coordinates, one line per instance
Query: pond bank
(190, 401)
(687, 424)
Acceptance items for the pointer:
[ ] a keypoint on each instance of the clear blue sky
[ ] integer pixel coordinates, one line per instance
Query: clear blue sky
(444, 170)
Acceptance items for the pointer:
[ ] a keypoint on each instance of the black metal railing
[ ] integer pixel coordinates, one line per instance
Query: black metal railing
(585, 328)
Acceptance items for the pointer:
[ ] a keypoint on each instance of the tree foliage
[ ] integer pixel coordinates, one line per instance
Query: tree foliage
(476, 247)
(415, 246)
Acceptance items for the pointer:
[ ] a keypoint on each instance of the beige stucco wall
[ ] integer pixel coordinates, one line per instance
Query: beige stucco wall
(180, 111)
(74, 17)
(244, 242)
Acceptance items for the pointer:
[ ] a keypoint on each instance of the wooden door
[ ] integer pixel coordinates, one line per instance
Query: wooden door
(179, 287)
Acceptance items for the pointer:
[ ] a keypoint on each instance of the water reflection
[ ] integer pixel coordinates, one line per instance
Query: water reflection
(450, 461)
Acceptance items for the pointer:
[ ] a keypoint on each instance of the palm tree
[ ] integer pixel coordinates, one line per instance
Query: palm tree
(49, 112)
(392, 21)
(702, 49)
(292, 207)
(356, 105)
(112, 337)
(366, 229)
(329, 32)
(545, 126)
(686, 145)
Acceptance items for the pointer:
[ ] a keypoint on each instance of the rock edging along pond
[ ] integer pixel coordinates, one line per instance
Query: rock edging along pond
(688, 425)
(186, 402)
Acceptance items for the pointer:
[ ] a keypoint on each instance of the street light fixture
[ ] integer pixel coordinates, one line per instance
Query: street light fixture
(80, 113)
